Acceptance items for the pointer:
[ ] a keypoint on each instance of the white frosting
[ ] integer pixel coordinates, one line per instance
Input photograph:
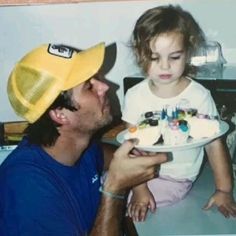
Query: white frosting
(203, 128)
(174, 137)
(146, 136)
(197, 128)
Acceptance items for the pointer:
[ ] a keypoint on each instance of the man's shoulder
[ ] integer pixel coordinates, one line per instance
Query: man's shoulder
(25, 162)
(24, 172)
(23, 153)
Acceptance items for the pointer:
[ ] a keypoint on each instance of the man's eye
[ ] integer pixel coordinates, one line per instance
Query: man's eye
(88, 85)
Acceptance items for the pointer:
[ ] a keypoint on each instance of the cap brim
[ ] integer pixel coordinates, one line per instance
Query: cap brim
(87, 63)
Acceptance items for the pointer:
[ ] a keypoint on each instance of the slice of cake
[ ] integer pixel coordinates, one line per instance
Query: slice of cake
(146, 135)
(177, 132)
(173, 128)
(203, 127)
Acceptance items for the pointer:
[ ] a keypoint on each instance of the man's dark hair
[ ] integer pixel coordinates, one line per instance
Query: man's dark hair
(44, 131)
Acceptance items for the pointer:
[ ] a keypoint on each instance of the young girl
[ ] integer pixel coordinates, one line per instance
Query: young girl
(164, 39)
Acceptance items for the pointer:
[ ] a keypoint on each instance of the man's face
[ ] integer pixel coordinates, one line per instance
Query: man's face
(91, 100)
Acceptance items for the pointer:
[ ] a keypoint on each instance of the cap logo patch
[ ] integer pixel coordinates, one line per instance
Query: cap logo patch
(60, 50)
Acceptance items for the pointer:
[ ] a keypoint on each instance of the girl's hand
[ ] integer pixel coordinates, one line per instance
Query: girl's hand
(224, 201)
(139, 205)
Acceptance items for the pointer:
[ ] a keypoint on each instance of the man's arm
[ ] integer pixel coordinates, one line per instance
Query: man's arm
(108, 151)
(125, 171)
(109, 218)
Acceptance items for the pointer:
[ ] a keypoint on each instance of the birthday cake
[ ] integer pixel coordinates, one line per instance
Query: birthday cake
(157, 127)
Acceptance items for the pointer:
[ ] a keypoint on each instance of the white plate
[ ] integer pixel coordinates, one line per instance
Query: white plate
(191, 143)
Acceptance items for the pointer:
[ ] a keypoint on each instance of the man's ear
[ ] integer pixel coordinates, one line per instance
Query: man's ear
(58, 116)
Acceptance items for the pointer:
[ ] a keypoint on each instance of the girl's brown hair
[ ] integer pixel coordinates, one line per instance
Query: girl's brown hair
(165, 19)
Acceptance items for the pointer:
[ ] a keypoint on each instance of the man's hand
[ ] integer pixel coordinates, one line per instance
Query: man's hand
(127, 170)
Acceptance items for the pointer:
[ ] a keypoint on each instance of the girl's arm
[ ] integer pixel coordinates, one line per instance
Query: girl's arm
(220, 161)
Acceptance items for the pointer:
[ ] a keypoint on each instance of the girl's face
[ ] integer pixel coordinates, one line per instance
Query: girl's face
(168, 58)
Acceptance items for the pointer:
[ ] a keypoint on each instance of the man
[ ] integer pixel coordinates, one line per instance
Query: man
(50, 183)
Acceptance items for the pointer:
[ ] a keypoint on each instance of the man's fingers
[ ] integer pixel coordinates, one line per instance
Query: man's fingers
(136, 152)
(126, 147)
(156, 159)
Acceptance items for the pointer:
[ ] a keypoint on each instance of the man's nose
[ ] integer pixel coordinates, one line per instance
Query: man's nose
(100, 86)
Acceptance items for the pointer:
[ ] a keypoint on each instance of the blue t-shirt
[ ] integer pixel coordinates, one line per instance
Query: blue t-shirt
(40, 197)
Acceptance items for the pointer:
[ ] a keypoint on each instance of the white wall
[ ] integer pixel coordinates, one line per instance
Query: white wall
(84, 24)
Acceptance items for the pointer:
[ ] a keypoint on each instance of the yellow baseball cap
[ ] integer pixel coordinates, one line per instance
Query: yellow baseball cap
(42, 74)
